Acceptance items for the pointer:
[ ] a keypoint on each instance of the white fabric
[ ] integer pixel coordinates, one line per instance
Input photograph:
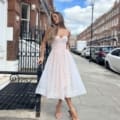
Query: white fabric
(60, 77)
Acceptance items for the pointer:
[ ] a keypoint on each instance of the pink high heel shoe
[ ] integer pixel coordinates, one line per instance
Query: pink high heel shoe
(70, 113)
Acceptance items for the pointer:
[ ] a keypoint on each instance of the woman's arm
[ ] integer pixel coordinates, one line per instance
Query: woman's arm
(43, 46)
(43, 43)
(68, 42)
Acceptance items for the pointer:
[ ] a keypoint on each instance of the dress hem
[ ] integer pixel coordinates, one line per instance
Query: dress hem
(74, 94)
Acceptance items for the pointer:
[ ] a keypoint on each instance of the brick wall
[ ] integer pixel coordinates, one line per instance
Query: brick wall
(14, 13)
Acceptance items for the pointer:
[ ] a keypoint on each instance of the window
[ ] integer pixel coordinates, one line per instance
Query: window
(25, 18)
(116, 52)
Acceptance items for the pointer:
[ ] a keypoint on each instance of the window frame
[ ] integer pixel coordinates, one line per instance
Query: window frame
(28, 15)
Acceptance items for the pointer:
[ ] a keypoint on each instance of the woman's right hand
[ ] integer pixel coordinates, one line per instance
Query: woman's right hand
(40, 60)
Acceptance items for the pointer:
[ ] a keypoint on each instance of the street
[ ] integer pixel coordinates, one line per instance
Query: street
(100, 103)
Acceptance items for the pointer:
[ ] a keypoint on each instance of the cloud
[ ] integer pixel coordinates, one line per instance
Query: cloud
(65, 0)
(78, 18)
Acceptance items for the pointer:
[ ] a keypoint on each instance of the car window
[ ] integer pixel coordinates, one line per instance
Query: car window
(116, 52)
(107, 49)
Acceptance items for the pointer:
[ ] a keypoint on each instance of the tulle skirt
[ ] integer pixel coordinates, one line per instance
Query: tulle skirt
(60, 77)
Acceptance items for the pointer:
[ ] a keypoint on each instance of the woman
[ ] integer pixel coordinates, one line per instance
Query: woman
(60, 78)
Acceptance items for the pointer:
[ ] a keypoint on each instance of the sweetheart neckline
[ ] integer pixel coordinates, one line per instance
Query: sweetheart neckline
(62, 36)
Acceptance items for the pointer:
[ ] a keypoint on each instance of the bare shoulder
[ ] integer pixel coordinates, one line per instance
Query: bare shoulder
(66, 31)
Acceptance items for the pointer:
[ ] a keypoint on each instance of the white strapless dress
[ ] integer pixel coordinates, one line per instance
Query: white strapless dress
(60, 77)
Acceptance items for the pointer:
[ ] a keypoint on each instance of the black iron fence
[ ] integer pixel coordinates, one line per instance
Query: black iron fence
(29, 49)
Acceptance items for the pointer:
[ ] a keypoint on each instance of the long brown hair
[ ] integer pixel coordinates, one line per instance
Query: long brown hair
(54, 28)
(61, 19)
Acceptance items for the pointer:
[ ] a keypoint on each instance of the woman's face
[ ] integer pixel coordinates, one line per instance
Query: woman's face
(55, 18)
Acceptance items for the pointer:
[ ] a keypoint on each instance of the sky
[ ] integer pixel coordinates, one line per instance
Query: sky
(77, 13)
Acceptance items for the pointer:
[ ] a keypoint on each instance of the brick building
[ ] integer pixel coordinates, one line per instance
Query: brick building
(106, 28)
(19, 16)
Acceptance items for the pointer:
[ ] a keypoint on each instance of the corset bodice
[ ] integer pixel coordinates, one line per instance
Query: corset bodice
(59, 42)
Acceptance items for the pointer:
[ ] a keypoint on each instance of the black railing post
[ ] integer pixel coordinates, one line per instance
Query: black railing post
(38, 105)
(38, 96)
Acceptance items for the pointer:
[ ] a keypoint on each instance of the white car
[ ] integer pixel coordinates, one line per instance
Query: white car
(86, 52)
(112, 60)
(83, 52)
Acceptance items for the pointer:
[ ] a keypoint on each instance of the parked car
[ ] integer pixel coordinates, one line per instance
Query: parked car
(98, 53)
(86, 52)
(83, 52)
(74, 50)
(112, 60)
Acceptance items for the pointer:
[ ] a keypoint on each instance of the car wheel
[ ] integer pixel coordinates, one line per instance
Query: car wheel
(107, 65)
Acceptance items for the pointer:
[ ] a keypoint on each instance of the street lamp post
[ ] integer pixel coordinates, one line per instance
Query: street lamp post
(92, 5)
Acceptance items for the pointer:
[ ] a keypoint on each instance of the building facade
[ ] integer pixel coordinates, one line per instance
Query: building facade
(72, 41)
(106, 29)
(19, 16)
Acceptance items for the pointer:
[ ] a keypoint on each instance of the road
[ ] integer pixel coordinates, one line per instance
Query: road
(100, 103)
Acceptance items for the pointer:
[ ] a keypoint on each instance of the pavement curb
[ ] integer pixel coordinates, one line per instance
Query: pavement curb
(4, 80)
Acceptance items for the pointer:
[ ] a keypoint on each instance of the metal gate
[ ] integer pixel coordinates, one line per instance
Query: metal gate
(29, 49)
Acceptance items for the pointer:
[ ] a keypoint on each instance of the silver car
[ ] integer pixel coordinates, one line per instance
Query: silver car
(112, 60)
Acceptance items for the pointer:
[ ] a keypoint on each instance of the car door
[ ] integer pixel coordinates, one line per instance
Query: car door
(115, 60)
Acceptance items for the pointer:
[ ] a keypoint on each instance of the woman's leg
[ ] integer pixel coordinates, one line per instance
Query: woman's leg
(59, 102)
(72, 109)
(58, 112)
